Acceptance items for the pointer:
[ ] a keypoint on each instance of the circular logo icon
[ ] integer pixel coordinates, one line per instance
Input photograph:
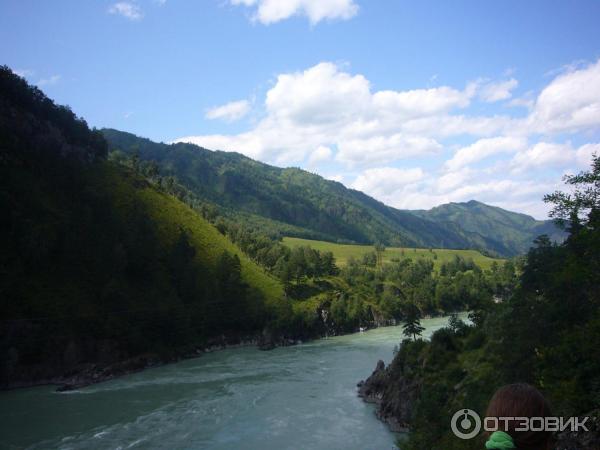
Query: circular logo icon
(466, 424)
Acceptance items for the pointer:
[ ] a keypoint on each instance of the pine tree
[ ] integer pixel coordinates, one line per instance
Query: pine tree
(412, 322)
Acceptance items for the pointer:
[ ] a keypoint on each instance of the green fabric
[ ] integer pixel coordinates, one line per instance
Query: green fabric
(499, 440)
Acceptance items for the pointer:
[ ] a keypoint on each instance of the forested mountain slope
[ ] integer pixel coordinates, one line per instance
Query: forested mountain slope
(317, 208)
(297, 203)
(97, 264)
(508, 232)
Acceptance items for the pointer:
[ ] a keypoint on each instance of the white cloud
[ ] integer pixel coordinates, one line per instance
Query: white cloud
(24, 72)
(381, 149)
(385, 182)
(544, 155)
(326, 106)
(421, 102)
(571, 102)
(496, 91)
(484, 148)
(129, 10)
(322, 153)
(230, 111)
(49, 81)
(272, 11)
(452, 180)
(443, 126)
(583, 155)
(319, 95)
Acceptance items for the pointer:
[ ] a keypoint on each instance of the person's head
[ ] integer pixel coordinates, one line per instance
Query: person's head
(521, 400)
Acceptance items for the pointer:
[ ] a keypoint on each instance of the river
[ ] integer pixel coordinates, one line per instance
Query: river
(300, 397)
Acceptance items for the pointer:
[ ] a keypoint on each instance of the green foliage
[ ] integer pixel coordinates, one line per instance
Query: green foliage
(545, 331)
(412, 322)
(294, 202)
(497, 230)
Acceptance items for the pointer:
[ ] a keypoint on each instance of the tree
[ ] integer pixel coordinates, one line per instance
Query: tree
(328, 266)
(581, 207)
(412, 322)
(379, 249)
(370, 259)
(455, 324)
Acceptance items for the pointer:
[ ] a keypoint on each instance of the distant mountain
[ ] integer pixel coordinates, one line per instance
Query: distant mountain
(297, 203)
(506, 232)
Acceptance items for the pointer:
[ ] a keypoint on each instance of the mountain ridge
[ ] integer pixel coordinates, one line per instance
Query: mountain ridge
(316, 208)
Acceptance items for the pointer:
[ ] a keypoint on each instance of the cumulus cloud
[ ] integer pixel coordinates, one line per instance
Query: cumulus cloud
(326, 106)
(322, 153)
(272, 11)
(129, 10)
(545, 155)
(484, 148)
(571, 102)
(494, 92)
(386, 181)
(381, 149)
(230, 111)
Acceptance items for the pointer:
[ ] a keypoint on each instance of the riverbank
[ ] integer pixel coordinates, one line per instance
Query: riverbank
(92, 373)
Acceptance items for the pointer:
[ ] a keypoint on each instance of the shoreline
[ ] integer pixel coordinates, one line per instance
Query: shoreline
(92, 373)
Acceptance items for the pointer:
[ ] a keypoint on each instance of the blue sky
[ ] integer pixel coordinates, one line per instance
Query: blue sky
(415, 103)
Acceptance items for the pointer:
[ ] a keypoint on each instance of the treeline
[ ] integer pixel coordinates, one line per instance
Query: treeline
(459, 285)
(34, 124)
(546, 333)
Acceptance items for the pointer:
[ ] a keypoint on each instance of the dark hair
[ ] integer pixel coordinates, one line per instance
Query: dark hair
(521, 400)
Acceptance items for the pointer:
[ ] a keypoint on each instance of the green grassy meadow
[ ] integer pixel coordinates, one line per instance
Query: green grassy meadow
(343, 252)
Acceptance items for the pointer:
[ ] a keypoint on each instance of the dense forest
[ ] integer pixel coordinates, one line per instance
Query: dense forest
(512, 233)
(97, 264)
(546, 333)
(294, 202)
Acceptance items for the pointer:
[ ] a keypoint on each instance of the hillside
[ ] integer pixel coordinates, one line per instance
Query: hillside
(309, 205)
(343, 252)
(293, 202)
(508, 232)
(98, 266)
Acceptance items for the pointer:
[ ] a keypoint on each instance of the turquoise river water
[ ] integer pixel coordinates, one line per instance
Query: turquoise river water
(301, 397)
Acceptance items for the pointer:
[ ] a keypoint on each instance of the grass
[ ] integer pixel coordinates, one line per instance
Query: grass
(171, 215)
(343, 252)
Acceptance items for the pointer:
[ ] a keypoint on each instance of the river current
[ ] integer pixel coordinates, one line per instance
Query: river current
(301, 397)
